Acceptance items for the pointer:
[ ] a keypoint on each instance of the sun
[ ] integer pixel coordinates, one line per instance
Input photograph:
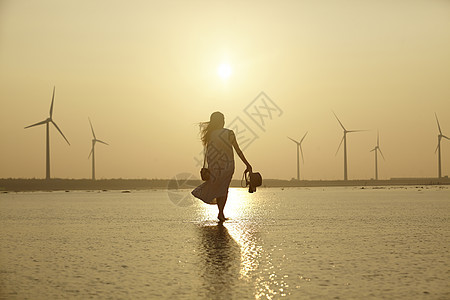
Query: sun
(224, 71)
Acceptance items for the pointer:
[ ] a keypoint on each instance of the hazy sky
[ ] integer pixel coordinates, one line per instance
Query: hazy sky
(145, 72)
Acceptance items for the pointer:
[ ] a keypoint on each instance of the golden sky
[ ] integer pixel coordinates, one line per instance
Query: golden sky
(145, 72)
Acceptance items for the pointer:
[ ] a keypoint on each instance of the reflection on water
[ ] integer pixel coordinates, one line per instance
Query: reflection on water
(340, 243)
(251, 250)
(220, 256)
(260, 264)
(234, 253)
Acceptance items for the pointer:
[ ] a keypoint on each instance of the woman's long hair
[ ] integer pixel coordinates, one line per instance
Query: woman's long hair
(216, 121)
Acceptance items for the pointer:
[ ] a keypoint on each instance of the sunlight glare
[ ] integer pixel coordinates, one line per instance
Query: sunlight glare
(224, 71)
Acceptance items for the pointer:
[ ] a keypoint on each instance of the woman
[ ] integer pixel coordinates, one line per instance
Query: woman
(219, 143)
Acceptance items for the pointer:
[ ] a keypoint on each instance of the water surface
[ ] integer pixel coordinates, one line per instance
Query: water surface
(331, 243)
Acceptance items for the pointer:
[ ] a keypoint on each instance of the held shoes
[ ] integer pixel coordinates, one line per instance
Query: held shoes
(253, 180)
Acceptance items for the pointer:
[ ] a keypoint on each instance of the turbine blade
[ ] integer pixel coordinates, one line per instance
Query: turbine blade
(439, 126)
(381, 154)
(339, 121)
(301, 151)
(60, 132)
(437, 147)
(350, 131)
(378, 138)
(373, 149)
(92, 128)
(90, 153)
(39, 123)
(293, 140)
(339, 145)
(446, 137)
(51, 106)
(303, 137)
(102, 142)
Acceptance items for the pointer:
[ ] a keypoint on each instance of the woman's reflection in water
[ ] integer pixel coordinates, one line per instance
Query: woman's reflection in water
(220, 255)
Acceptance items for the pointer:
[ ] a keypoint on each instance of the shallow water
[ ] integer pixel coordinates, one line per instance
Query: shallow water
(319, 243)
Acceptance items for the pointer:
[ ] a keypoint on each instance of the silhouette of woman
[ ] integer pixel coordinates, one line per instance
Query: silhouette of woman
(219, 143)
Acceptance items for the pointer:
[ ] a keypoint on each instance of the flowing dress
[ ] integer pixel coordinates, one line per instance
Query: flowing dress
(220, 160)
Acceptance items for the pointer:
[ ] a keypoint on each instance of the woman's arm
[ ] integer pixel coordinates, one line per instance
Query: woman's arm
(239, 151)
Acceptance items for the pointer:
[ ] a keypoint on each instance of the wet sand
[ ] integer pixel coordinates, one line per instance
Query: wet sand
(318, 243)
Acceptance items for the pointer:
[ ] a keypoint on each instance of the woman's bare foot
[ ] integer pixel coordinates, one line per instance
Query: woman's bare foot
(221, 217)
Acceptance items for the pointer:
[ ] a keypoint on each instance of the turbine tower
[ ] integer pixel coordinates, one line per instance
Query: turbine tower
(94, 140)
(438, 148)
(299, 149)
(376, 149)
(47, 123)
(344, 138)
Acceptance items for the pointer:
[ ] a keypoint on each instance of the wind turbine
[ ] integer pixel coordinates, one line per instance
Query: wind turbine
(438, 148)
(344, 138)
(47, 122)
(376, 149)
(94, 140)
(299, 149)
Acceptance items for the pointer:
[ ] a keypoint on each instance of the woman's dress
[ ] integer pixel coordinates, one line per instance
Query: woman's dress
(220, 160)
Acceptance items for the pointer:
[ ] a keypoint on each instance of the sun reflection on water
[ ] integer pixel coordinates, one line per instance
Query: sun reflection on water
(259, 266)
(237, 207)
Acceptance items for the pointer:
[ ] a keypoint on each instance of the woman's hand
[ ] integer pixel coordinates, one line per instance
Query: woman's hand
(249, 169)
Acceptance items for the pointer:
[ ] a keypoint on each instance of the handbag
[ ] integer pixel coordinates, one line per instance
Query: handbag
(204, 172)
(252, 180)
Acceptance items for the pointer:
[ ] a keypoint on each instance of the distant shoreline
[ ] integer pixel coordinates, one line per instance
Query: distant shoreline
(23, 185)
